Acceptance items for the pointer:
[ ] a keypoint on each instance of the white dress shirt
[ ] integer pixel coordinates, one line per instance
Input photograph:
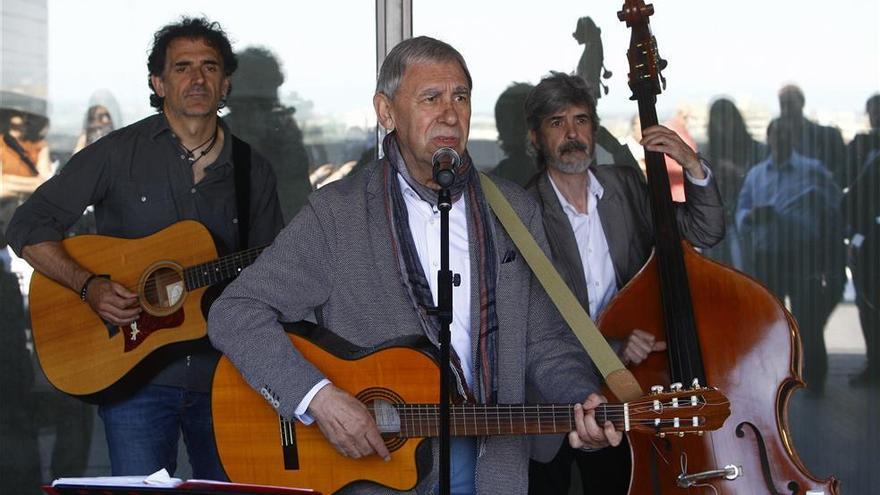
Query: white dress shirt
(592, 244)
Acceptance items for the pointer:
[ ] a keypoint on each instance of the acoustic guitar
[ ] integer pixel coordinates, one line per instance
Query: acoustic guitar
(399, 386)
(170, 270)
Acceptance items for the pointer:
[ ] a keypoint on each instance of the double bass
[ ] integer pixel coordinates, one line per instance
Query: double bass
(722, 328)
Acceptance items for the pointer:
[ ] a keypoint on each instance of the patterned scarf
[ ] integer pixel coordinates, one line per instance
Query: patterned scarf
(481, 237)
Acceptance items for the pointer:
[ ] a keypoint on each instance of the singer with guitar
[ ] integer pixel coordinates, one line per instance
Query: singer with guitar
(181, 163)
(363, 255)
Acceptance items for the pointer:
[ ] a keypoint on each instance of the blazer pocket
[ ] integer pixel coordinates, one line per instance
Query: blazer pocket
(508, 257)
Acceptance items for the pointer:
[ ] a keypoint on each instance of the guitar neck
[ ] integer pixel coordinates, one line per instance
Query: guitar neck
(422, 420)
(221, 269)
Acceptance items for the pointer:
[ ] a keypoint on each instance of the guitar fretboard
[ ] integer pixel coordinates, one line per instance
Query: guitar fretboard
(422, 420)
(221, 269)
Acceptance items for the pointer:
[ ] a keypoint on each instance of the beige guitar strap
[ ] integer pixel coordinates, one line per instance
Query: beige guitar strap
(618, 378)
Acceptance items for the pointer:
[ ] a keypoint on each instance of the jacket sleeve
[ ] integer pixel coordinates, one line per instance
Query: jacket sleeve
(59, 202)
(701, 217)
(287, 282)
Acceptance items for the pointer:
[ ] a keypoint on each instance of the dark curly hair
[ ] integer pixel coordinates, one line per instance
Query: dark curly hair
(192, 28)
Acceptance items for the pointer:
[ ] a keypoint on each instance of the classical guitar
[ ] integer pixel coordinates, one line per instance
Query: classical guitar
(399, 387)
(170, 270)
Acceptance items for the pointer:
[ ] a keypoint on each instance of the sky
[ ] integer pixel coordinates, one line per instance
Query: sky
(745, 49)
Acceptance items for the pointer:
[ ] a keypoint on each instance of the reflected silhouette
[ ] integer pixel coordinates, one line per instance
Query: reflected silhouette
(861, 207)
(258, 117)
(731, 151)
(510, 120)
(19, 455)
(592, 62)
(591, 68)
(789, 217)
(821, 142)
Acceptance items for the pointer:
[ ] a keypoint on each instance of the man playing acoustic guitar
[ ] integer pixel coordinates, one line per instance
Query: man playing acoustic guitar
(172, 166)
(362, 254)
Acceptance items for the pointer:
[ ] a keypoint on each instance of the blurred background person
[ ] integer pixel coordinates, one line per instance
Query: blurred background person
(24, 151)
(788, 214)
(865, 144)
(257, 116)
(731, 150)
(102, 117)
(821, 142)
(861, 207)
(510, 120)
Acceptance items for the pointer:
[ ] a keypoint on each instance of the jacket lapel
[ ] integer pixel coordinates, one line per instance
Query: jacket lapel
(616, 227)
(563, 245)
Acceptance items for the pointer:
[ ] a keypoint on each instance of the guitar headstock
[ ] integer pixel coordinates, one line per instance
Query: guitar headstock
(677, 411)
(645, 64)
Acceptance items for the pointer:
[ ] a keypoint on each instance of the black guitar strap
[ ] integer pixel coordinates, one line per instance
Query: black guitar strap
(241, 164)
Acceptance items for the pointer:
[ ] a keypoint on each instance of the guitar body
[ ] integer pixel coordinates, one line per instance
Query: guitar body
(79, 354)
(247, 429)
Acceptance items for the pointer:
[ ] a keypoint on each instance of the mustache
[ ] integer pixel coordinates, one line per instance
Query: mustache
(572, 145)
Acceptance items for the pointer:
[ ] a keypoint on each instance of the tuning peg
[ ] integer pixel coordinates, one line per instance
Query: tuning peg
(695, 385)
(657, 389)
(676, 387)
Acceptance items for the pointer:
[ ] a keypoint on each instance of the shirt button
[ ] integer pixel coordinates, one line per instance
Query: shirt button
(182, 157)
(143, 199)
(193, 190)
(234, 220)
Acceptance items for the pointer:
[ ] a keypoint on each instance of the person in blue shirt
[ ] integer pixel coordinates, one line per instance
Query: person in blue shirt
(789, 217)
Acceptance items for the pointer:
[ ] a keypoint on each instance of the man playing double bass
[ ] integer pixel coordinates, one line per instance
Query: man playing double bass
(172, 166)
(600, 233)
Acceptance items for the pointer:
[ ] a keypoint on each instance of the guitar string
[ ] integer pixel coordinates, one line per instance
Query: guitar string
(225, 263)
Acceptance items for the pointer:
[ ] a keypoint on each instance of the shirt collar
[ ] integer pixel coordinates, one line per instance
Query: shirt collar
(160, 126)
(594, 189)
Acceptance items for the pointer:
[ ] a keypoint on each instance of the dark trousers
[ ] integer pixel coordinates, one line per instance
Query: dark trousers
(813, 296)
(866, 277)
(603, 472)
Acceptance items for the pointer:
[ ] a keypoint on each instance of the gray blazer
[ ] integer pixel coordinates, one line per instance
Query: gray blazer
(335, 258)
(625, 213)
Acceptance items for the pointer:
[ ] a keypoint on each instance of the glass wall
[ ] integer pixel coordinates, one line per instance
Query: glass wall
(727, 63)
(73, 71)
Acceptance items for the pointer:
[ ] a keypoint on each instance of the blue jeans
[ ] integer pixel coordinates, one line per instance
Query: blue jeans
(463, 459)
(142, 432)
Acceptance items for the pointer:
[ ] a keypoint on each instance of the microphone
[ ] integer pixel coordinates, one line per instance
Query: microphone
(446, 162)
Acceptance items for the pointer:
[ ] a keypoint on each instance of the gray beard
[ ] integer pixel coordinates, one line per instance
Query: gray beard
(577, 167)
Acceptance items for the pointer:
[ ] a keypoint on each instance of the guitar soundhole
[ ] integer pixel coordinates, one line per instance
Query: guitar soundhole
(368, 396)
(162, 288)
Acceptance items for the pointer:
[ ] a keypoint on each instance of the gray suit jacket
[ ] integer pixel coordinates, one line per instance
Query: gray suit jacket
(625, 213)
(335, 257)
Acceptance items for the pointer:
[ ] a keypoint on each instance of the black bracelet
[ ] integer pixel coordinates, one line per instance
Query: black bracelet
(85, 288)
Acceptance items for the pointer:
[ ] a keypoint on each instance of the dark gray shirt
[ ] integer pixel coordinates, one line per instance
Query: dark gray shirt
(140, 182)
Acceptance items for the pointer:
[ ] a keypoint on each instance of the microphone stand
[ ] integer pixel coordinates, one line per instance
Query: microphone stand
(445, 282)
